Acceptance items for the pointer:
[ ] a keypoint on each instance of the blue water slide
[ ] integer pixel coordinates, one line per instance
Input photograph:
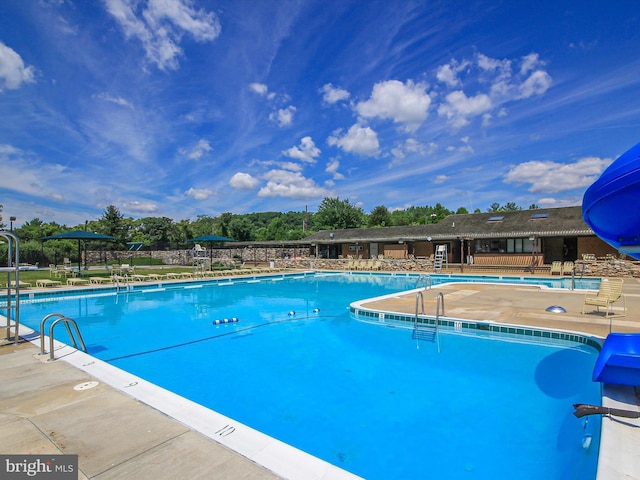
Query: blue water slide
(619, 360)
(611, 205)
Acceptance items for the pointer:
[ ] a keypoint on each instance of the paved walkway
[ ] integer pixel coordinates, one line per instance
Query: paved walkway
(114, 435)
(117, 436)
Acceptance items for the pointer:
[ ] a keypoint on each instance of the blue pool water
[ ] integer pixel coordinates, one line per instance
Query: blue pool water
(363, 397)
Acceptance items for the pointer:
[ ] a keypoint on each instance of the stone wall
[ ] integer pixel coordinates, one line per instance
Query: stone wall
(292, 258)
(185, 257)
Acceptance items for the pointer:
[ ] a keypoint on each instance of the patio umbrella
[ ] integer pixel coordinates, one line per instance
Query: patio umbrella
(210, 239)
(78, 235)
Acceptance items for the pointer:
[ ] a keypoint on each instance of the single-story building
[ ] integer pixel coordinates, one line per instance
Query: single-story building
(541, 235)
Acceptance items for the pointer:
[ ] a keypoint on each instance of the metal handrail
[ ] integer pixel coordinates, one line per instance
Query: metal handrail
(13, 246)
(439, 301)
(42, 322)
(66, 321)
(419, 297)
(427, 281)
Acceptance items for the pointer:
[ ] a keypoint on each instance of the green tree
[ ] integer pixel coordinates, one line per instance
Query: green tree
(158, 232)
(380, 217)
(511, 207)
(462, 211)
(277, 230)
(31, 230)
(334, 213)
(533, 206)
(224, 222)
(112, 223)
(240, 229)
(203, 225)
(507, 207)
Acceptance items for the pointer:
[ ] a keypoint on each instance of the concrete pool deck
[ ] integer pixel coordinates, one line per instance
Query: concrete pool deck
(119, 436)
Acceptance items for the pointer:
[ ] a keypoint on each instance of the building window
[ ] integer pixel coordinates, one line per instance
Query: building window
(506, 245)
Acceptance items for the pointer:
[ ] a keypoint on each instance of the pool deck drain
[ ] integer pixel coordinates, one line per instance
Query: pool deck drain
(118, 435)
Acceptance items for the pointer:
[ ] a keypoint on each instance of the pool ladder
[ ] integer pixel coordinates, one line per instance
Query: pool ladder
(66, 321)
(128, 287)
(424, 281)
(425, 331)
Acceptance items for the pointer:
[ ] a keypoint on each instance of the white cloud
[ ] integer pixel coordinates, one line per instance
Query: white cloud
(332, 168)
(459, 108)
(530, 62)
(536, 84)
(137, 206)
(553, 177)
(359, 140)
(198, 151)
(403, 103)
(294, 167)
(493, 65)
(160, 24)
(448, 73)
(243, 181)
(284, 116)
(439, 179)
(13, 72)
(282, 183)
(411, 146)
(496, 81)
(306, 152)
(259, 88)
(331, 94)
(199, 193)
(117, 100)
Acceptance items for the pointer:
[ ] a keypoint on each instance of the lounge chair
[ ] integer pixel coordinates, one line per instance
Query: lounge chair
(20, 283)
(610, 292)
(44, 283)
(567, 268)
(556, 267)
(98, 280)
(136, 277)
(77, 281)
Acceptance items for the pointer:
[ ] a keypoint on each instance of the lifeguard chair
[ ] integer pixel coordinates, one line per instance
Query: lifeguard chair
(199, 257)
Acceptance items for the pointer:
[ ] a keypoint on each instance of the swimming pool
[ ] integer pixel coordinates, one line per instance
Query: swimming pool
(300, 368)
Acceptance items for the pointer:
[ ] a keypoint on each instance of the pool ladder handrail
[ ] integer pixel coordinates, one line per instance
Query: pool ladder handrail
(66, 321)
(573, 276)
(420, 303)
(127, 285)
(427, 281)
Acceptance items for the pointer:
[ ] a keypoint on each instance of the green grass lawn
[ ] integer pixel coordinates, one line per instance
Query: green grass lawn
(32, 276)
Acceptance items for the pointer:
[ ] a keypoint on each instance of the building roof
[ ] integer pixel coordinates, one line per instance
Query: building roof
(551, 222)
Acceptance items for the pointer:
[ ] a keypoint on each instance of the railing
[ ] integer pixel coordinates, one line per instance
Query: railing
(66, 321)
(419, 298)
(127, 285)
(424, 279)
(13, 267)
(420, 334)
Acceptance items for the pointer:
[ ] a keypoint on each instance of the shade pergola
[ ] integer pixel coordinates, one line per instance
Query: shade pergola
(79, 235)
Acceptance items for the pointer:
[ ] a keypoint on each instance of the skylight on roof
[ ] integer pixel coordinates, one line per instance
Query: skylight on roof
(496, 218)
(535, 216)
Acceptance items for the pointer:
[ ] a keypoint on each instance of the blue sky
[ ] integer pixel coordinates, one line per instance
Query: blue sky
(182, 108)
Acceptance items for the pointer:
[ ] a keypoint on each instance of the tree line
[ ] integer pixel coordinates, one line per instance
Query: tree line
(163, 233)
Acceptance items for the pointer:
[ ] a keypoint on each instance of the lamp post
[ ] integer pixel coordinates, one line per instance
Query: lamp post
(11, 220)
